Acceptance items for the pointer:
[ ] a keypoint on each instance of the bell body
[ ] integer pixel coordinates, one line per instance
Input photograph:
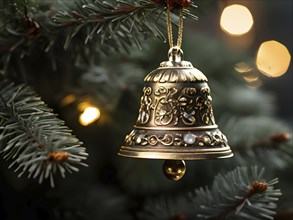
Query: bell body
(176, 120)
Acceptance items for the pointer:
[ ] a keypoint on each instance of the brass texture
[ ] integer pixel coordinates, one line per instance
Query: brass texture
(176, 120)
(174, 169)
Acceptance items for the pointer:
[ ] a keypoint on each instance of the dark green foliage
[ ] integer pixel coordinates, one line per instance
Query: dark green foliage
(59, 47)
(30, 134)
(108, 82)
(166, 208)
(119, 23)
(111, 203)
(243, 193)
(84, 27)
(152, 181)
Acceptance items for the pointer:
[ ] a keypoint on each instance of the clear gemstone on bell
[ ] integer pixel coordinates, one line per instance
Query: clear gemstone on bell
(139, 138)
(143, 116)
(189, 138)
(188, 116)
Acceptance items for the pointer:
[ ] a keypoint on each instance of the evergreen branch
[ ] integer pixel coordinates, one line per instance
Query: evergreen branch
(241, 101)
(261, 138)
(92, 25)
(115, 25)
(33, 137)
(121, 21)
(166, 208)
(278, 147)
(256, 187)
(242, 193)
(108, 83)
(275, 141)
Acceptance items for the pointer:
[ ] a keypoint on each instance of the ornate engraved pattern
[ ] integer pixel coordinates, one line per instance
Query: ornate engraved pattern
(165, 106)
(167, 74)
(211, 139)
(145, 106)
(204, 105)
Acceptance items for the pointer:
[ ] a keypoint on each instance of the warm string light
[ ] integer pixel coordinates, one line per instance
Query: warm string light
(273, 59)
(236, 20)
(89, 114)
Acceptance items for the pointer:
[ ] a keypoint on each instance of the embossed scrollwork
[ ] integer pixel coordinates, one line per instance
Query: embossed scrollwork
(204, 105)
(217, 138)
(166, 140)
(145, 106)
(129, 139)
(165, 107)
(190, 91)
(186, 106)
(160, 91)
(211, 139)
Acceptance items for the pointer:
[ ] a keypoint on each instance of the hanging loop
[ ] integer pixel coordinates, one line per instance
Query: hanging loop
(175, 54)
(169, 25)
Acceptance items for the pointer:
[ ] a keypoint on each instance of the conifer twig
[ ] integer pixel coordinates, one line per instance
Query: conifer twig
(242, 192)
(33, 138)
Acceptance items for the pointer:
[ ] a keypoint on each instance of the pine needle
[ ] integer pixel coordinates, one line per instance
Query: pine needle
(31, 136)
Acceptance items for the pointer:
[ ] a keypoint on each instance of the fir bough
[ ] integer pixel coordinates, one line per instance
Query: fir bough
(118, 22)
(33, 138)
(243, 193)
(84, 27)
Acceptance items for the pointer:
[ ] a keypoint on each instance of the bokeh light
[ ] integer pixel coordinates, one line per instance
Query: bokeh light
(255, 84)
(251, 79)
(67, 100)
(273, 58)
(89, 115)
(236, 20)
(242, 67)
(83, 105)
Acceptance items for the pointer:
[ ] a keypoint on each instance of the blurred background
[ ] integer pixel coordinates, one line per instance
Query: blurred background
(245, 52)
(272, 20)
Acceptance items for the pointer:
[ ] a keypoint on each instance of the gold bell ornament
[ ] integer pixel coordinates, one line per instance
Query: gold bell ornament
(176, 120)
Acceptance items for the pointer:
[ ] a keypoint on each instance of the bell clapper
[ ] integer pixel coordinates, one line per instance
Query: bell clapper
(174, 169)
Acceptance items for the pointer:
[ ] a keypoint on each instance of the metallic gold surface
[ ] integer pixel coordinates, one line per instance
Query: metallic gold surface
(178, 128)
(174, 169)
(176, 119)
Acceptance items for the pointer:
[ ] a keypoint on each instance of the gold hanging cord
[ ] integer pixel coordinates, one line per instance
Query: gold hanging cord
(169, 26)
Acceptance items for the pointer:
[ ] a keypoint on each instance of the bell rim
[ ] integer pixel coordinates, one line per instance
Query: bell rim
(176, 153)
(187, 128)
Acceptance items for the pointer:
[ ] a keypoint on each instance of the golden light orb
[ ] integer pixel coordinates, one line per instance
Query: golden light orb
(236, 20)
(273, 58)
(89, 115)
